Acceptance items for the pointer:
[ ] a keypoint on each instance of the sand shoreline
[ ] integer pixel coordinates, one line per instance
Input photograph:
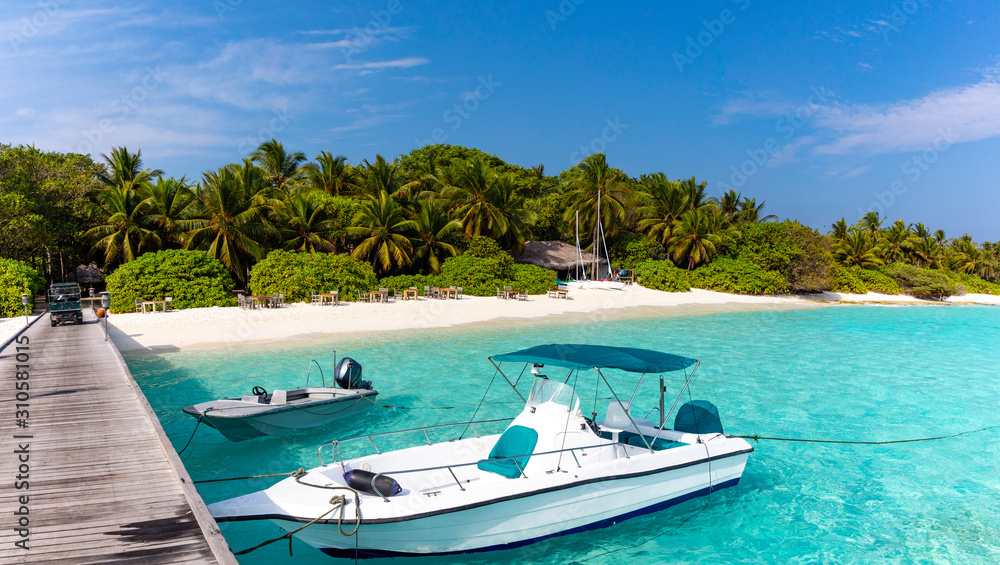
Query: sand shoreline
(200, 328)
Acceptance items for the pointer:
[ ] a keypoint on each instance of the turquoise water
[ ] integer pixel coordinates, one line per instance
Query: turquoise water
(854, 373)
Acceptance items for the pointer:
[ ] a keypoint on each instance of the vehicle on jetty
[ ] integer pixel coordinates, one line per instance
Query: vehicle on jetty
(551, 472)
(280, 412)
(64, 304)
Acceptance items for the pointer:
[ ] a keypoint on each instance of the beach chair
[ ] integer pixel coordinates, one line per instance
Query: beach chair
(458, 295)
(499, 293)
(167, 303)
(138, 305)
(427, 292)
(362, 296)
(281, 299)
(316, 298)
(274, 300)
(522, 295)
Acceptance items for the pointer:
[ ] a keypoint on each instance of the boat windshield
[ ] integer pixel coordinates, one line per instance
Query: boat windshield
(543, 390)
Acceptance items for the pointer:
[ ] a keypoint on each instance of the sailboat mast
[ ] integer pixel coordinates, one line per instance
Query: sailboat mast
(596, 250)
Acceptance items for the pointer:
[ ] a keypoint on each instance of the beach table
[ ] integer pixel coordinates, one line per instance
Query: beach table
(378, 296)
(559, 293)
(410, 293)
(329, 298)
(447, 293)
(435, 292)
(510, 294)
(152, 305)
(260, 300)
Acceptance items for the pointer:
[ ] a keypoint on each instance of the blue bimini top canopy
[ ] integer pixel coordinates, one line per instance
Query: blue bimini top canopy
(582, 356)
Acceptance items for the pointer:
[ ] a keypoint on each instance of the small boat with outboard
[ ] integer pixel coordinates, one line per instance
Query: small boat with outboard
(551, 472)
(279, 412)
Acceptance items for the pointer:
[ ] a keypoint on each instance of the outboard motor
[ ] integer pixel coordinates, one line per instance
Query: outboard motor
(348, 375)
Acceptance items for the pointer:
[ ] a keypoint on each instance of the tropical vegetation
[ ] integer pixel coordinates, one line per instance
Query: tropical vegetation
(191, 279)
(422, 217)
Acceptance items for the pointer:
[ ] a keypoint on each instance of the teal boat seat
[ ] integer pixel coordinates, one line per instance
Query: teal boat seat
(658, 445)
(516, 440)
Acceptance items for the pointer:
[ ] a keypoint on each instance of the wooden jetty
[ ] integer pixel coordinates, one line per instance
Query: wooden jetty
(87, 474)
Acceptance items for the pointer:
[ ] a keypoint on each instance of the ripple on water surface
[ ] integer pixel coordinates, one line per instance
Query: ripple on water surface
(865, 373)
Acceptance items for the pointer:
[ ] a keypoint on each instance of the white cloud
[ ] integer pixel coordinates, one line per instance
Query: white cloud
(404, 63)
(789, 153)
(960, 114)
(753, 105)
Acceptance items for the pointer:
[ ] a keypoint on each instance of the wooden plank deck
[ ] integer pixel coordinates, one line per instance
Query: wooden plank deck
(100, 482)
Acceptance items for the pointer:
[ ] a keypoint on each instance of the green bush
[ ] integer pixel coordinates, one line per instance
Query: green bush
(921, 283)
(737, 277)
(662, 275)
(875, 281)
(972, 283)
(297, 275)
(485, 267)
(847, 281)
(477, 275)
(532, 279)
(191, 278)
(799, 253)
(632, 250)
(17, 278)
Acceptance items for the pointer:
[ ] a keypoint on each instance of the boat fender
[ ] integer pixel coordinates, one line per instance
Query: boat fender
(372, 483)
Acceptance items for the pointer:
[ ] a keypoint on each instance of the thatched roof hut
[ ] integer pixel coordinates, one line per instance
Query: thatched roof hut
(89, 274)
(554, 255)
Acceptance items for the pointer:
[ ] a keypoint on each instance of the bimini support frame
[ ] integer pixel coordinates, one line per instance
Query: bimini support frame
(663, 417)
(627, 415)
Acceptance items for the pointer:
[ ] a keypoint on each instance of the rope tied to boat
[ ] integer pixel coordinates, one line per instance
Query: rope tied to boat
(336, 502)
(296, 473)
(913, 440)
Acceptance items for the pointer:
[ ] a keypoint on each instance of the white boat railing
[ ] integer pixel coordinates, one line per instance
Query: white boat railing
(450, 467)
(335, 450)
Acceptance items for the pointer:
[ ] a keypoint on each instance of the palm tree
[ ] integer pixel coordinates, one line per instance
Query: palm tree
(230, 226)
(729, 204)
(128, 228)
(424, 176)
(895, 242)
(924, 252)
(839, 229)
(697, 195)
(168, 201)
(432, 227)
(696, 236)
(749, 212)
(381, 176)
(856, 249)
(303, 223)
(380, 221)
(330, 174)
(662, 203)
(871, 224)
(510, 206)
(125, 169)
(281, 167)
(594, 187)
(471, 187)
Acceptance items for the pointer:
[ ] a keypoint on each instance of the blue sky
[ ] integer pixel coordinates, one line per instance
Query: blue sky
(823, 110)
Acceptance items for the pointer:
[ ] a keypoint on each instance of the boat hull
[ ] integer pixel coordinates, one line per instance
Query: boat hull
(526, 519)
(279, 420)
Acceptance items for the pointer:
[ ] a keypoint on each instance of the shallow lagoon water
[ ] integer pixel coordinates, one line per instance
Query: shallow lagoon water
(847, 373)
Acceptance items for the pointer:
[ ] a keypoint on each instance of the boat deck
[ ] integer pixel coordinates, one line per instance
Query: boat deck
(99, 481)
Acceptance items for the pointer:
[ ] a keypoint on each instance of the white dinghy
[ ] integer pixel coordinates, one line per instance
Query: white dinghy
(551, 472)
(285, 411)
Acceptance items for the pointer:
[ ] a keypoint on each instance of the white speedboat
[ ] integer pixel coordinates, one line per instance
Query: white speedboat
(280, 412)
(551, 472)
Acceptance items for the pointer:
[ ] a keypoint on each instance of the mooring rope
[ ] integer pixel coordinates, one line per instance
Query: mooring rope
(299, 470)
(759, 437)
(200, 418)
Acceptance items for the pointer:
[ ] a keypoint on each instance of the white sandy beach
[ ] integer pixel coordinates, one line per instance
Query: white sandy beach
(219, 327)
(214, 327)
